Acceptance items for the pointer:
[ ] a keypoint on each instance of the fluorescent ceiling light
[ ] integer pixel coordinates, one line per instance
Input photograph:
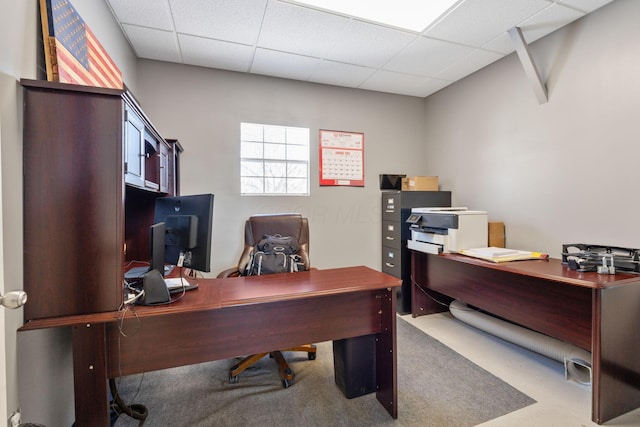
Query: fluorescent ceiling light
(414, 15)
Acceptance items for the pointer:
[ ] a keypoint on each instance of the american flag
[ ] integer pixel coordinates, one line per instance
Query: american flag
(75, 55)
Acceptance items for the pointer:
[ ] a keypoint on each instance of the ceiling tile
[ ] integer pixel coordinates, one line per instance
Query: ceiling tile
(468, 65)
(548, 21)
(476, 22)
(215, 53)
(501, 44)
(339, 74)
(280, 64)
(146, 13)
(585, 5)
(228, 20)
(427, 57)
(430, 86)
(369, 45)
(536, 27)
(315, 32)
(387, 81)
(153, 44)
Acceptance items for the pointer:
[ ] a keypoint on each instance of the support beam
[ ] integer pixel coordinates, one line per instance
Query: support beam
(530, 69)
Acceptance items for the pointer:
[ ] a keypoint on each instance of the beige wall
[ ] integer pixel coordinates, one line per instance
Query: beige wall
(14, 58)
(204, 108)
(561, 172)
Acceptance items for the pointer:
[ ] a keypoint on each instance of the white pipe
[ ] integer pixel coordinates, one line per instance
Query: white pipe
(577, 361)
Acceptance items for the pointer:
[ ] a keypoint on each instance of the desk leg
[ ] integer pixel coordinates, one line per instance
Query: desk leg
(90, 375)
(386, 355)
(616, 354)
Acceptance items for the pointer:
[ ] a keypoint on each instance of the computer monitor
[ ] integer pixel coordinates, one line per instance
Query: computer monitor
(188, 223)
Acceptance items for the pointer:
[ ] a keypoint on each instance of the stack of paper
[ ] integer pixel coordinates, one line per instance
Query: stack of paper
(502, 254)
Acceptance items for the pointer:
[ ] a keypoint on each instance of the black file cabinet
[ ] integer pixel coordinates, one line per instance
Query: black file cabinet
(396, 208)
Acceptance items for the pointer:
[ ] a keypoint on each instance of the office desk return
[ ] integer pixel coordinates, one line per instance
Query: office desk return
(219, 320)
(599, 313)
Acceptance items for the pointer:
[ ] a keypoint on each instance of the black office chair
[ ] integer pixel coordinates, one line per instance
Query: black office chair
(256, 227)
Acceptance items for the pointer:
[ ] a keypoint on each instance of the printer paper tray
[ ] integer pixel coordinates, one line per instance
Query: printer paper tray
(429, 248)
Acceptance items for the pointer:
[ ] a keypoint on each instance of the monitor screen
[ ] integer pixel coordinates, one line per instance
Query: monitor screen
(188, 223)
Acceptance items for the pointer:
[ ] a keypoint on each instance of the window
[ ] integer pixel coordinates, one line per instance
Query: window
(274, 160)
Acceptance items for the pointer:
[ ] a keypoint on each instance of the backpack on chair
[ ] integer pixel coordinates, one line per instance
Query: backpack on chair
(274, 254)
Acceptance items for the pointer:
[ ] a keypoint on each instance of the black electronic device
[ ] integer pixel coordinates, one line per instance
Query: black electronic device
(155, 289)
(157, 234)
(601, 258)
(188, 223)
(391, 182)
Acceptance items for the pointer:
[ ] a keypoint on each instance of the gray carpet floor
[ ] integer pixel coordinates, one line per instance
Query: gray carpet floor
(436, 387)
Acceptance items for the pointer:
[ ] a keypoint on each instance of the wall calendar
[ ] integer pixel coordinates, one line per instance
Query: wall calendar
(341, 158)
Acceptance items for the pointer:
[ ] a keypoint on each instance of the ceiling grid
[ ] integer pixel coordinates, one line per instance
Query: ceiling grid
(288, 39)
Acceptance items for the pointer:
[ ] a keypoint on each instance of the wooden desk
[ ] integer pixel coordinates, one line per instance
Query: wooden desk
(225, 318)
(600, 313)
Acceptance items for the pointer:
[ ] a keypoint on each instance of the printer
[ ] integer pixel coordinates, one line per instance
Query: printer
(446, 230)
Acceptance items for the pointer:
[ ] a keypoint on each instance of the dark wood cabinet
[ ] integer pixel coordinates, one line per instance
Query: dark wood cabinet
(90, 184)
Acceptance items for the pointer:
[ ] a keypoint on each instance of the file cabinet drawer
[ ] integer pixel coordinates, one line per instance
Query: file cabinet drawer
(391, 205)
(391, 261)
(391, 232)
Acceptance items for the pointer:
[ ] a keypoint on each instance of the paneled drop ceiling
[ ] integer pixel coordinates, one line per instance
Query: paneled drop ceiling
(287, 39)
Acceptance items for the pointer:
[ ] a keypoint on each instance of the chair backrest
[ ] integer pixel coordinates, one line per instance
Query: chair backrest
(285, 224)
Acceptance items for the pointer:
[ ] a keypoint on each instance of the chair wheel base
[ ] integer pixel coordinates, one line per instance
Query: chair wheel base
(286, 374)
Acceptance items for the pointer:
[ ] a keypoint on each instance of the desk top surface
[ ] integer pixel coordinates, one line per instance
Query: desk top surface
(552, 269)
(234, 291)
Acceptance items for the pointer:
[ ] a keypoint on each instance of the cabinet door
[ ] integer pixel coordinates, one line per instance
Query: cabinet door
(164, 168)
(133, 148)
(73, 201)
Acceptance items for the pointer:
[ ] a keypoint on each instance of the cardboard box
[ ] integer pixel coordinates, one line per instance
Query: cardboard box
(420, 183)
(496, 235)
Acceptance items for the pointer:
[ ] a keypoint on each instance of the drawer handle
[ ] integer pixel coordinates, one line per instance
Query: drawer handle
(390, 238)
(390, 265)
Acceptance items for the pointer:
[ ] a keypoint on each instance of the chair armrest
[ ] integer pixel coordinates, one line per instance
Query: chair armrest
(229, 272)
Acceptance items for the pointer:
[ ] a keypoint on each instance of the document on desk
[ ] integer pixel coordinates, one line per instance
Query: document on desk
(494, 254)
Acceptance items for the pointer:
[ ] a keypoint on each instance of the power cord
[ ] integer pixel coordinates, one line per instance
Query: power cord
(135, 410)
(424, 291)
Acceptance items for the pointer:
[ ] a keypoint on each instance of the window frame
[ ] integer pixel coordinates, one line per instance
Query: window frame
(270, 158)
